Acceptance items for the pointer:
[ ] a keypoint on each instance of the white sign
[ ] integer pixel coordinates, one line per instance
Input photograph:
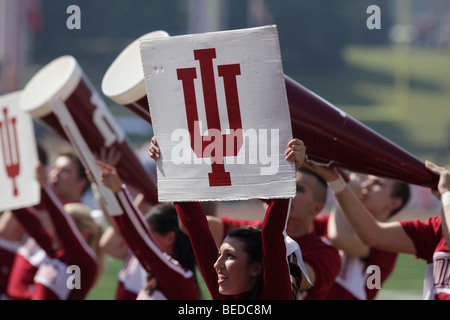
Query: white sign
(18, 156)
(220, 115)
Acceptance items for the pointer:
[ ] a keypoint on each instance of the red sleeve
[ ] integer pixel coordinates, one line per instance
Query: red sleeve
(67, 231)
(325, 260)
(385, 260)
(277, 283)
(29, 220)
(205, 249)
(425, 235)
(321, 225)
(169, 273)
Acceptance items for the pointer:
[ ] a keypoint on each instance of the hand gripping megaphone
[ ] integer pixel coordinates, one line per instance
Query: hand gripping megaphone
(64, 80)
(333, 137)
(124, 81)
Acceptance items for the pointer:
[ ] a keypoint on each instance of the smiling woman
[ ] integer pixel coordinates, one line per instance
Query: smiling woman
(252, 263)
(239, 265)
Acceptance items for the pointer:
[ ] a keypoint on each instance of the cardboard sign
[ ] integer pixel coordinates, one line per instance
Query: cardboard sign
(220, 115)
(18, 156)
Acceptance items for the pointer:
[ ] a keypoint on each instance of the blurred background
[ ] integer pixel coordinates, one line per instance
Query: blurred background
(394, 79)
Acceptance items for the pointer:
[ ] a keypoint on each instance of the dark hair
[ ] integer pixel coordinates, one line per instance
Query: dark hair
(400, 190)
(320, 195)
(163, 218)
(252, 239)
(69, 153)
(42, 154)
(296, 275)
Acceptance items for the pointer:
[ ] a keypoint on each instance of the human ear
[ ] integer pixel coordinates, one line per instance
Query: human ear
(256, 269)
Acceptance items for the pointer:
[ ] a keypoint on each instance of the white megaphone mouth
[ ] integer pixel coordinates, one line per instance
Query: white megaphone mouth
(58, 79)
(124, 80)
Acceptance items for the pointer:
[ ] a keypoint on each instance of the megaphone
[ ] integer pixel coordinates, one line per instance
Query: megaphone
(333, 137)
(124, 81)
(64, 79)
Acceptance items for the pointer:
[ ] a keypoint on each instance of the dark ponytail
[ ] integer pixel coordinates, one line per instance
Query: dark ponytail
(163, 219)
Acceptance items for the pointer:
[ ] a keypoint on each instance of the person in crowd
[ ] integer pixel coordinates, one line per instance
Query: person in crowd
(252, 262)
(156, 241)
(12, 236)
(20, 254)
(424, 239)
(132, 276)
(70, 238)
(67, 176)
(383, 198)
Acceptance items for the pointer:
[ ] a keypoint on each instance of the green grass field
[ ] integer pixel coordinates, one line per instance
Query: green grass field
(106, 288)
(405, 283)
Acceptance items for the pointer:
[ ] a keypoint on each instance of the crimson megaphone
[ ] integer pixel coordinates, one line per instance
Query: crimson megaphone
(333, 137)
(330, 135)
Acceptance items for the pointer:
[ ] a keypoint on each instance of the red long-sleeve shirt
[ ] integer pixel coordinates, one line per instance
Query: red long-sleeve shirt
(276, 278)
(173, 282)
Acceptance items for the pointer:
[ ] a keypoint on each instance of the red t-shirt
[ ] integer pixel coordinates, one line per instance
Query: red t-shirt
(229, 224)
(324, 259)
(431, 246)
(351, 282)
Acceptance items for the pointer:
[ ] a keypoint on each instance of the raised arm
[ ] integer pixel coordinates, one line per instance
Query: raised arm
(388, 236)
(65, 228)
(135, 230)
(205, 249)
(31, 218)
(444, 193)
(341, 234)
(277, 284)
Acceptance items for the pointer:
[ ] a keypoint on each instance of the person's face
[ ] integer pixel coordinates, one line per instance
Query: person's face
(235, 273)
(64, 178)
(304, 204)
(376, 195)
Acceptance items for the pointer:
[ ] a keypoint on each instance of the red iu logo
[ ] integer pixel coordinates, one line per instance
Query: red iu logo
(218, 176)
(10, 148)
